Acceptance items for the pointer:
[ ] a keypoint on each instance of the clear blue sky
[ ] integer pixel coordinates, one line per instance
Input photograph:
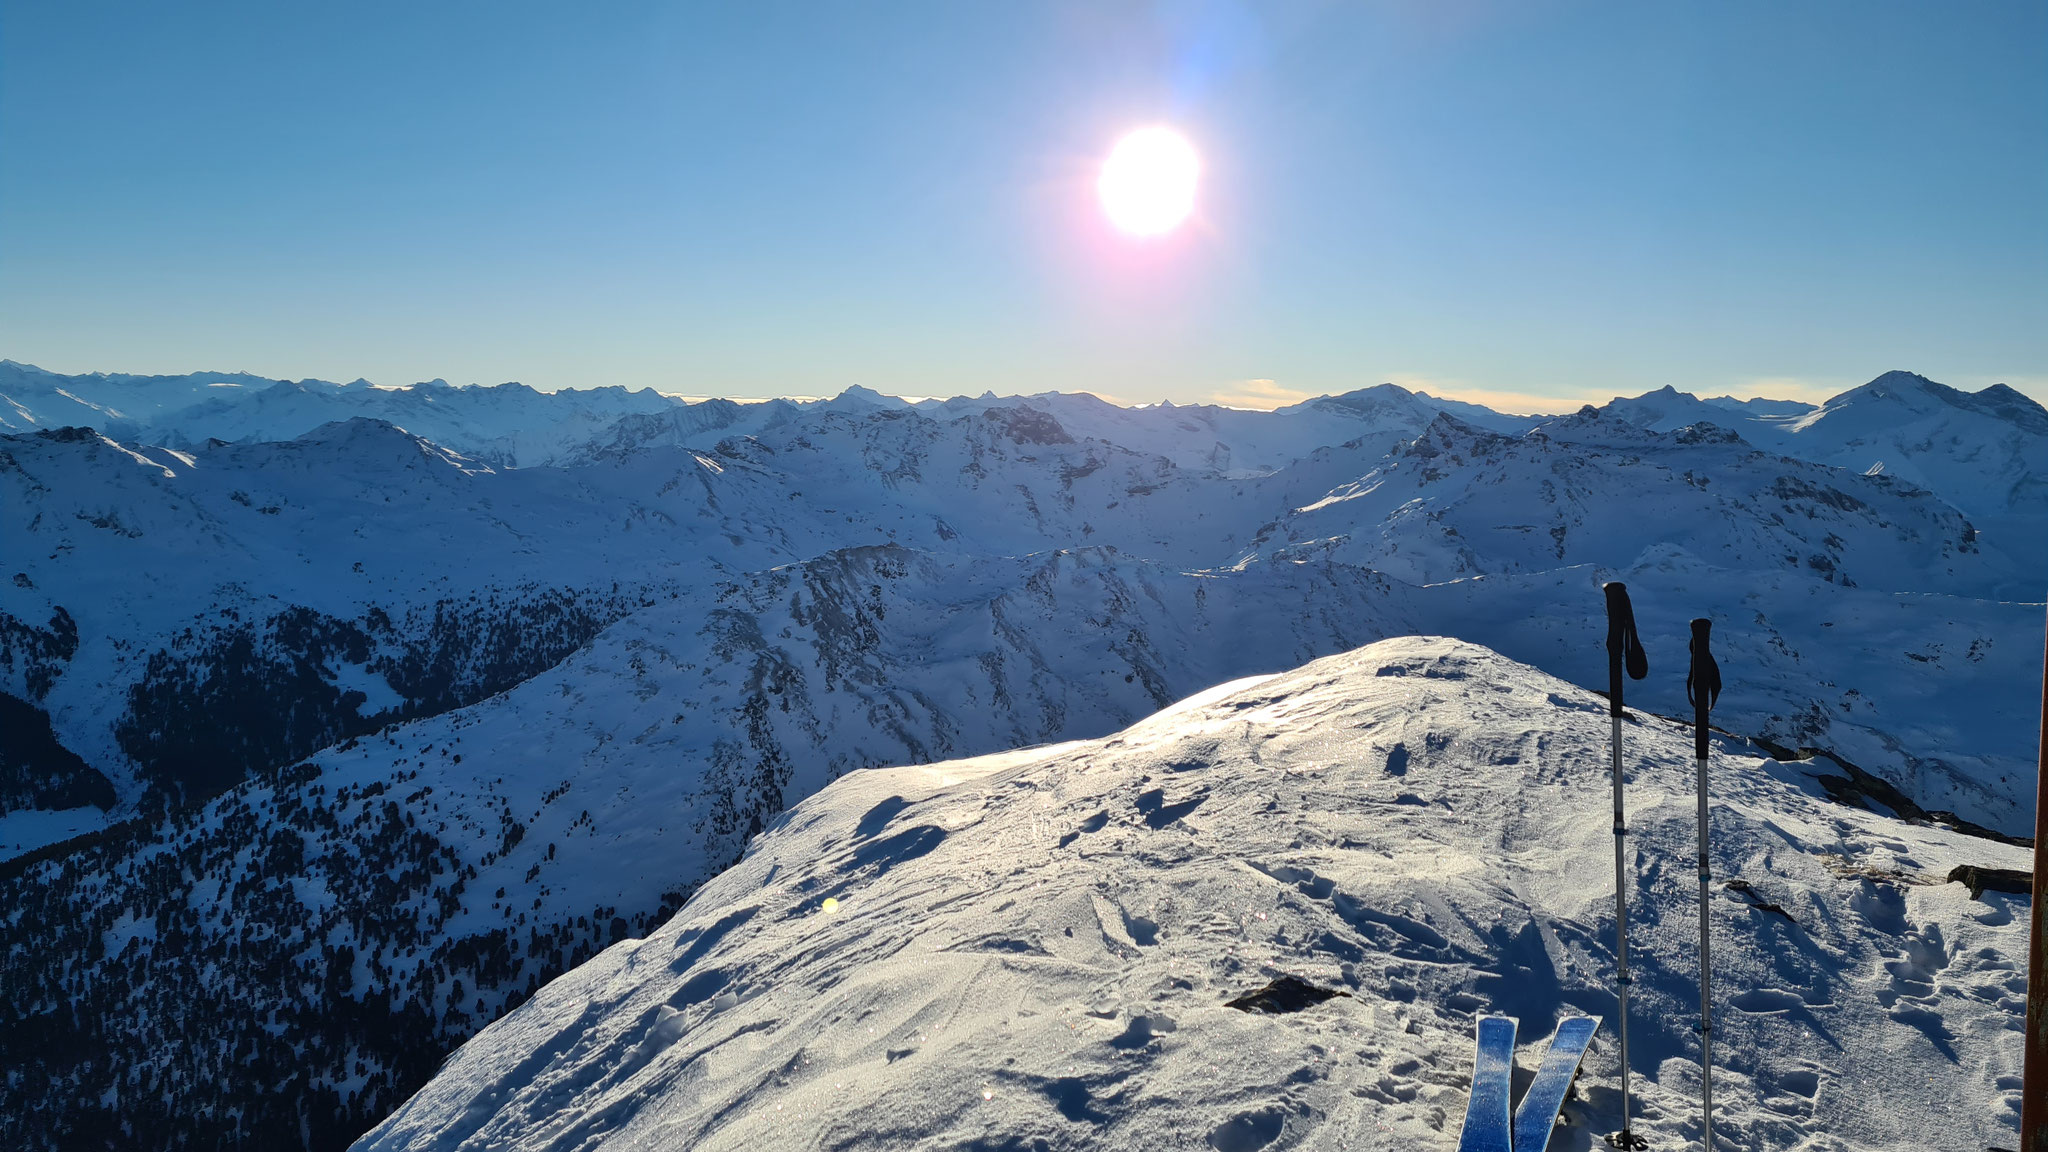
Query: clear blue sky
(1523, 198)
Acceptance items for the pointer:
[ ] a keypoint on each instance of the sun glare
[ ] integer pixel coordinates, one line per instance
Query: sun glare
(1148, 182)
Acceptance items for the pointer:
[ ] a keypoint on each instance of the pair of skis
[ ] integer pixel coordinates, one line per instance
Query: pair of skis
(1489, 1126)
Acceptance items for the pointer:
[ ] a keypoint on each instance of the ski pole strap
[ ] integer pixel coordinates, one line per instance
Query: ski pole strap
(1702, 684)
(1624, 648)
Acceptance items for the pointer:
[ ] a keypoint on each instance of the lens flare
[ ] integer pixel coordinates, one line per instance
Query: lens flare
(1148, 183)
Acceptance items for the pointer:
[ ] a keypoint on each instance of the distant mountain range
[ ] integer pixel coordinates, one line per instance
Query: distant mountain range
(340, 718)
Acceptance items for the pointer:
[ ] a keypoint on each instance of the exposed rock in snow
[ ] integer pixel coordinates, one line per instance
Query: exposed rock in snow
(1036, 949)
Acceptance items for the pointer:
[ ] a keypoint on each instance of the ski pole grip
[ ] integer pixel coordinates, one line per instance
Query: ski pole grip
(1702, 659)
(1702, 684)
(1622, 645)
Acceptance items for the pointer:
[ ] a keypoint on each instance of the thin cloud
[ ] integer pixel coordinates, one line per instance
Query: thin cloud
(1807, 389)
(1500, 399)
(1258, 395)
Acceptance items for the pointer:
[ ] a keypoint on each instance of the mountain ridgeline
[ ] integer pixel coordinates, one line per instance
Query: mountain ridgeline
(340, 719)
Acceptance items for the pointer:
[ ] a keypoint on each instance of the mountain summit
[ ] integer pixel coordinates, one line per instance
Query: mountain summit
(1057, 948)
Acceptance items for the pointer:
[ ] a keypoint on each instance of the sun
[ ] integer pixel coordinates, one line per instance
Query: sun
(1148, 182)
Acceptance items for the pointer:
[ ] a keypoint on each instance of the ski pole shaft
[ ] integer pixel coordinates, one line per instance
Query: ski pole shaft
(1624, 653)
(1621, 980)
(1706, 981)
(1703, 684)
(2034, 1078)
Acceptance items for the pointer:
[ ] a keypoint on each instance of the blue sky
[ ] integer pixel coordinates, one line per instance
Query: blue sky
(1527, 202)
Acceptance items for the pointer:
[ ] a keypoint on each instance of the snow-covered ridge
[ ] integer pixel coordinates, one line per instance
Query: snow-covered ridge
(160, 562)
(1034, 949)
(511, 425)
(1985, 452)
(507, 424)
(1457, 501)
(493, 718)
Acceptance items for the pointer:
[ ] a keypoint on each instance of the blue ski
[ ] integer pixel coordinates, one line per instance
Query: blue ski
(1538, 1113)
(1486, 1113)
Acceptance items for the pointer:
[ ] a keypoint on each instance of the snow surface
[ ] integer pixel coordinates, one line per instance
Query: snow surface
(439, 714)
(27, 829)
(1985, 451)
(1033, 949)
(155, 553)
(516, 426)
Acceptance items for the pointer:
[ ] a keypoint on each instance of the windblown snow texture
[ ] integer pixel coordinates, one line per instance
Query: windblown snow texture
(339, 739)
(1009, 952)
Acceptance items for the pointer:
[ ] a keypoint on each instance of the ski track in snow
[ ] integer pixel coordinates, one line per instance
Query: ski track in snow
(1032, 949)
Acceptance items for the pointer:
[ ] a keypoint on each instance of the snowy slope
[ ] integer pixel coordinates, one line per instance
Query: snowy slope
(32, 398)
(156, 560)
(152, 583)
(493, 719)
(1233, 441)
(507, 425)
(1035, 949)
(287, 576)
(1458, 501)
(361, 560)
(1936, 693)
(1985, 452)
(451, 864)
(397, 892)
(511, 425)
(1764, 423)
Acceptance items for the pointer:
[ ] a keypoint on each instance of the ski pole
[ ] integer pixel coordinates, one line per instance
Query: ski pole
(2034, 1071)
(1624, 650)
(1703, 687)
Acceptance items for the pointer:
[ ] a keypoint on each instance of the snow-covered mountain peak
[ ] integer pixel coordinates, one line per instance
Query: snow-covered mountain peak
(1650, 428)
(1762, 406)
(1042, 948)
(1445, 428)
(1390, 405)
(1987, 452)
(1457, 501)
(2008, 403)
(1899, 381)
(1666, 409)
(1377, 398)
(366, 441)
(1896, 394)
(1028, 425)
(855, 397)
